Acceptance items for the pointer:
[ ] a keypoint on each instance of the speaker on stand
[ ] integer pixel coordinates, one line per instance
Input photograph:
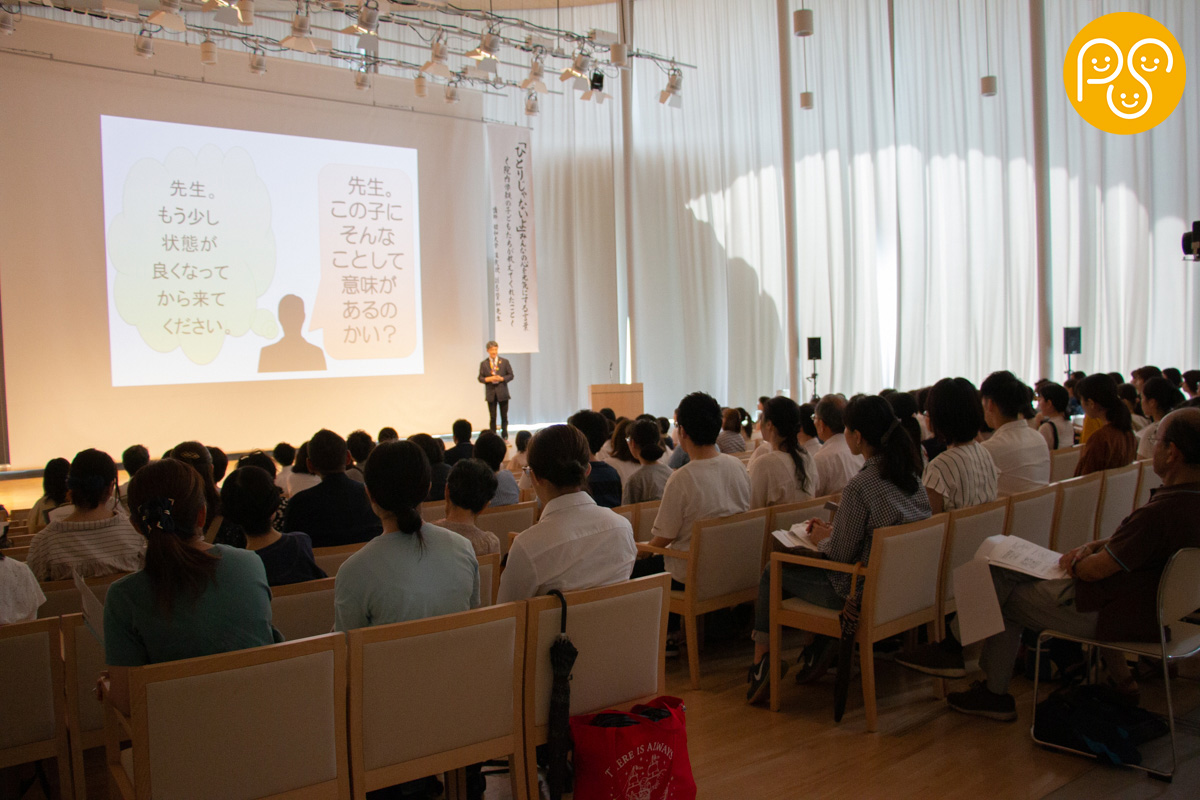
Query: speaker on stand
(1072, 345)
(814, 355)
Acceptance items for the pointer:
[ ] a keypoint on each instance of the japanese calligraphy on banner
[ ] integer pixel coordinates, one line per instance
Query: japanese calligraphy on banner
(514, 270)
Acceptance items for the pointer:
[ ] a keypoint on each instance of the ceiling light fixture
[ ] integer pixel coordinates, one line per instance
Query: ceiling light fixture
(532, 108)
(143, 44)
(167, 16)
(618, 55)
(579, 67)
(489, 45)
(436, 65)
(245, 10)
(802, 22)
(451, 94)
(536, 80)
(367, 21)
(673, 94)
(208, 52)
(8, 25)
(298, 39)
(362, 79)
(421, 86)
(987, 84)
(595, 89)
(258, 62)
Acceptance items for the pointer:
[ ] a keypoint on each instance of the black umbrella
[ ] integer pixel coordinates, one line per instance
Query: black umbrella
(558, 741)
(849, 621)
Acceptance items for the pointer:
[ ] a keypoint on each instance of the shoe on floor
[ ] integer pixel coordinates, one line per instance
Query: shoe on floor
(760, 679)
(982, 702)
(816, 659)
(942, 660)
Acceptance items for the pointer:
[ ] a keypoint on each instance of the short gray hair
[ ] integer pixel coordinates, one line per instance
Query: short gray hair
(492, 344)
(829, 412)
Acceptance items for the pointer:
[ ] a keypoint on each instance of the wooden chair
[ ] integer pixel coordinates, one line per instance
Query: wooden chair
(433, 510)
(1118, 493)
(420, 703)
(268, 722)
(489, 578)
(1075, 514)
(504, 519)
(621, 634)
(629, 512)
(83, 661)
(724, 565)
(1031, 515)
(1148, 481)
(783, 517)
(1063, 462)
(526, 495)
(18, 553)
(965, 531)
(643, 526)
(301, 610)
(19, 539)
(63, 598)
(32, 698)
(331, 559)
(900, 593)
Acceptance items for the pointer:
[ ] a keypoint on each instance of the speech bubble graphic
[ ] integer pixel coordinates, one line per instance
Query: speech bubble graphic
(366, 301)
(193, 251)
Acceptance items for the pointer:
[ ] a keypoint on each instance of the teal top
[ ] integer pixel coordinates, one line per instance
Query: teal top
(396, 578)
(233, 613)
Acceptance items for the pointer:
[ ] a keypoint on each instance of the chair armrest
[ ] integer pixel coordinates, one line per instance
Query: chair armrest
(662, 551)
(122, 721)
(832, 566)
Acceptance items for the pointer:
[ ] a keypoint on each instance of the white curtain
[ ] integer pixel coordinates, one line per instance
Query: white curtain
(1119, 205)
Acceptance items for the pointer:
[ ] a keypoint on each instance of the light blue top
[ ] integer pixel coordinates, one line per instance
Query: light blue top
(507, 492)
(396, 578)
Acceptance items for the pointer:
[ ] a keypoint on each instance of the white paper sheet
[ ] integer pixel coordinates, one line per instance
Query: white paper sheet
(93, 609)
(1013, 552)
(979, 614)
(796, 536)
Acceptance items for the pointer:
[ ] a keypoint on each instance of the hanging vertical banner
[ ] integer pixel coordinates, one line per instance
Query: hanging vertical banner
(514, 271)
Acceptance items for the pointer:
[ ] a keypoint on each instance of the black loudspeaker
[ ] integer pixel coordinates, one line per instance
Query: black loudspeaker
(1072, 341)
(814, 348)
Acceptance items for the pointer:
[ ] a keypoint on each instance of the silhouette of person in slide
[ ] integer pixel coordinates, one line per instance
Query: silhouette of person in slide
(291, 353)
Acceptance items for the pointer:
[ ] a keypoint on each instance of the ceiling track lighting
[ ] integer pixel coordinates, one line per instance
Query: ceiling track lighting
(421, 86)
(489, 45)
(298, 39)
(436, 65)
(367, 22)
(673, 95)
(208, 52)
(143, 44)
(167, 16)
(362, 79)
(579, 67)
(618, 55)
(452, 94)
(595, 89)
(537, 74)
(245, 12)
(8, 25)
(258, 62)
(532, 104)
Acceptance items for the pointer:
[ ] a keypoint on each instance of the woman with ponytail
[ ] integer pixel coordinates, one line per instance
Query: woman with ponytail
(785, 474)
(413, 569)
(886, 492)
(1112, 444)
(191, 598)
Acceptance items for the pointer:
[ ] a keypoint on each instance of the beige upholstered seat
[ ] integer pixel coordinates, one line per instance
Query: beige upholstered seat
(32, 707)
(1148, 481)
(1031, 515)
(331, 559)
(63, 598)
(965, 531)
(436, 695)
(83, 658)
(504, 519)
(264, 722)
(1075, 516)
(489, 578)
(724, 565)
(1063, 462)
(300, 610)
(900, 593)
(621, 634)
(1118, 492)
(641, 518)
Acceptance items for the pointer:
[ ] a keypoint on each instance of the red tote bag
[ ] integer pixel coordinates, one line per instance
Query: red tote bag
(639, 755)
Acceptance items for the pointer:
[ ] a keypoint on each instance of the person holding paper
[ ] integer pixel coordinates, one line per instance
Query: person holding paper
(1112, 591)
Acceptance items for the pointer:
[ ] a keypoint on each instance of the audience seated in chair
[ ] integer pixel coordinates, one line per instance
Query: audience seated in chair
(620, 457)
(1017, 450)
(648, 482)
(360, 444)
(468, 492)
(54, 493)
(439, 470)
(835, 464)
(604, 482)
(249, 499)
(284, 455)
(191, 599)
(301, 478)
(576, 544)
(1112, 444)
(786, 474)
(132, 459)
(21, 596)
(336, 511)
(491, 449)
(1052, 420)
(462, 443)
(886, 492)
(963, 474)
(93, 539)
(730, 439)
(413, 569)
(1159, 398)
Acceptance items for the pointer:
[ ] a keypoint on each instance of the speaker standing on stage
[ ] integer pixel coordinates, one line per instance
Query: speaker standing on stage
(495, 373)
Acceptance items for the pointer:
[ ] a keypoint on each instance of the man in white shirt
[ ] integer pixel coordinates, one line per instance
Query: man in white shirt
(1018, 451)
(710, 485)
(836, 465)
(576, 544)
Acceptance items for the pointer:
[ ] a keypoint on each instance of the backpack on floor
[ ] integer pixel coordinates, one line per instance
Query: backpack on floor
(1097, 720)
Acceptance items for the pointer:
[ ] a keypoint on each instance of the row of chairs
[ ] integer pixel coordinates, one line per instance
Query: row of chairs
(332, 715)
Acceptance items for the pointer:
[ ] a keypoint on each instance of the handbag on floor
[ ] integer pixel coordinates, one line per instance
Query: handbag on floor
(636, 755)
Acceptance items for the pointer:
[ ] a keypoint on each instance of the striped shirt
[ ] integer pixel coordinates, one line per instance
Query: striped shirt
(101, 547)
(964, 476)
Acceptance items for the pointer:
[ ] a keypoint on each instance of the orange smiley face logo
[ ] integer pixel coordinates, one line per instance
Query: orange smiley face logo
(1124, 73)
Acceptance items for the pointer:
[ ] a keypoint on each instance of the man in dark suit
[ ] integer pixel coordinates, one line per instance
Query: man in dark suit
(495, 373)
(337, 510)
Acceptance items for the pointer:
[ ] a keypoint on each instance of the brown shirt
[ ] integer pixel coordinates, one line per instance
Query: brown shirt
(484, 542)
(1107, 448)
(1142, 545)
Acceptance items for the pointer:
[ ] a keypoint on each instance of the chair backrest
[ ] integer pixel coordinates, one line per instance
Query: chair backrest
(1031, 515)
(433, 510)
(489, 577)
(18, 553)
(331, 559)
(783, 517)
(1179, 587)
(424, 693)
(1063, 462)
(1075, 517)
(63, 598)
(629, 512)
(620, 632)
(20, 539)
(967, 529)
(726, 554)
(264, 722)
(31, 690)
(643, 526)
(902, 575)
(1118, 492)
(500, 521)
(83, 659)
(301, 610)
(1148, 481)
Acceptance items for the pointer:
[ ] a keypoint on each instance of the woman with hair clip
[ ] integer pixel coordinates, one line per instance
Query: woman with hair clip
(413, 569)
(786, 474)
(191, 598)
(199, 458)
(1112, 444)
(887, 491)
(645, 443)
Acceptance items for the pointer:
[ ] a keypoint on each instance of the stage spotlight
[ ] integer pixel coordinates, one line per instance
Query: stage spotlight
(167, 16)
(673, 94)
(489, 44)
(8, 25)
(362, 79)
(579, 67)
(595, 89)
(421, 86)
(451, 94)
(299, 39)
(436, 65)
(618, 54)
(245, 9)
(208, 52)
(537, 73)
(143, 45)
(258, 63)
(532, 105)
